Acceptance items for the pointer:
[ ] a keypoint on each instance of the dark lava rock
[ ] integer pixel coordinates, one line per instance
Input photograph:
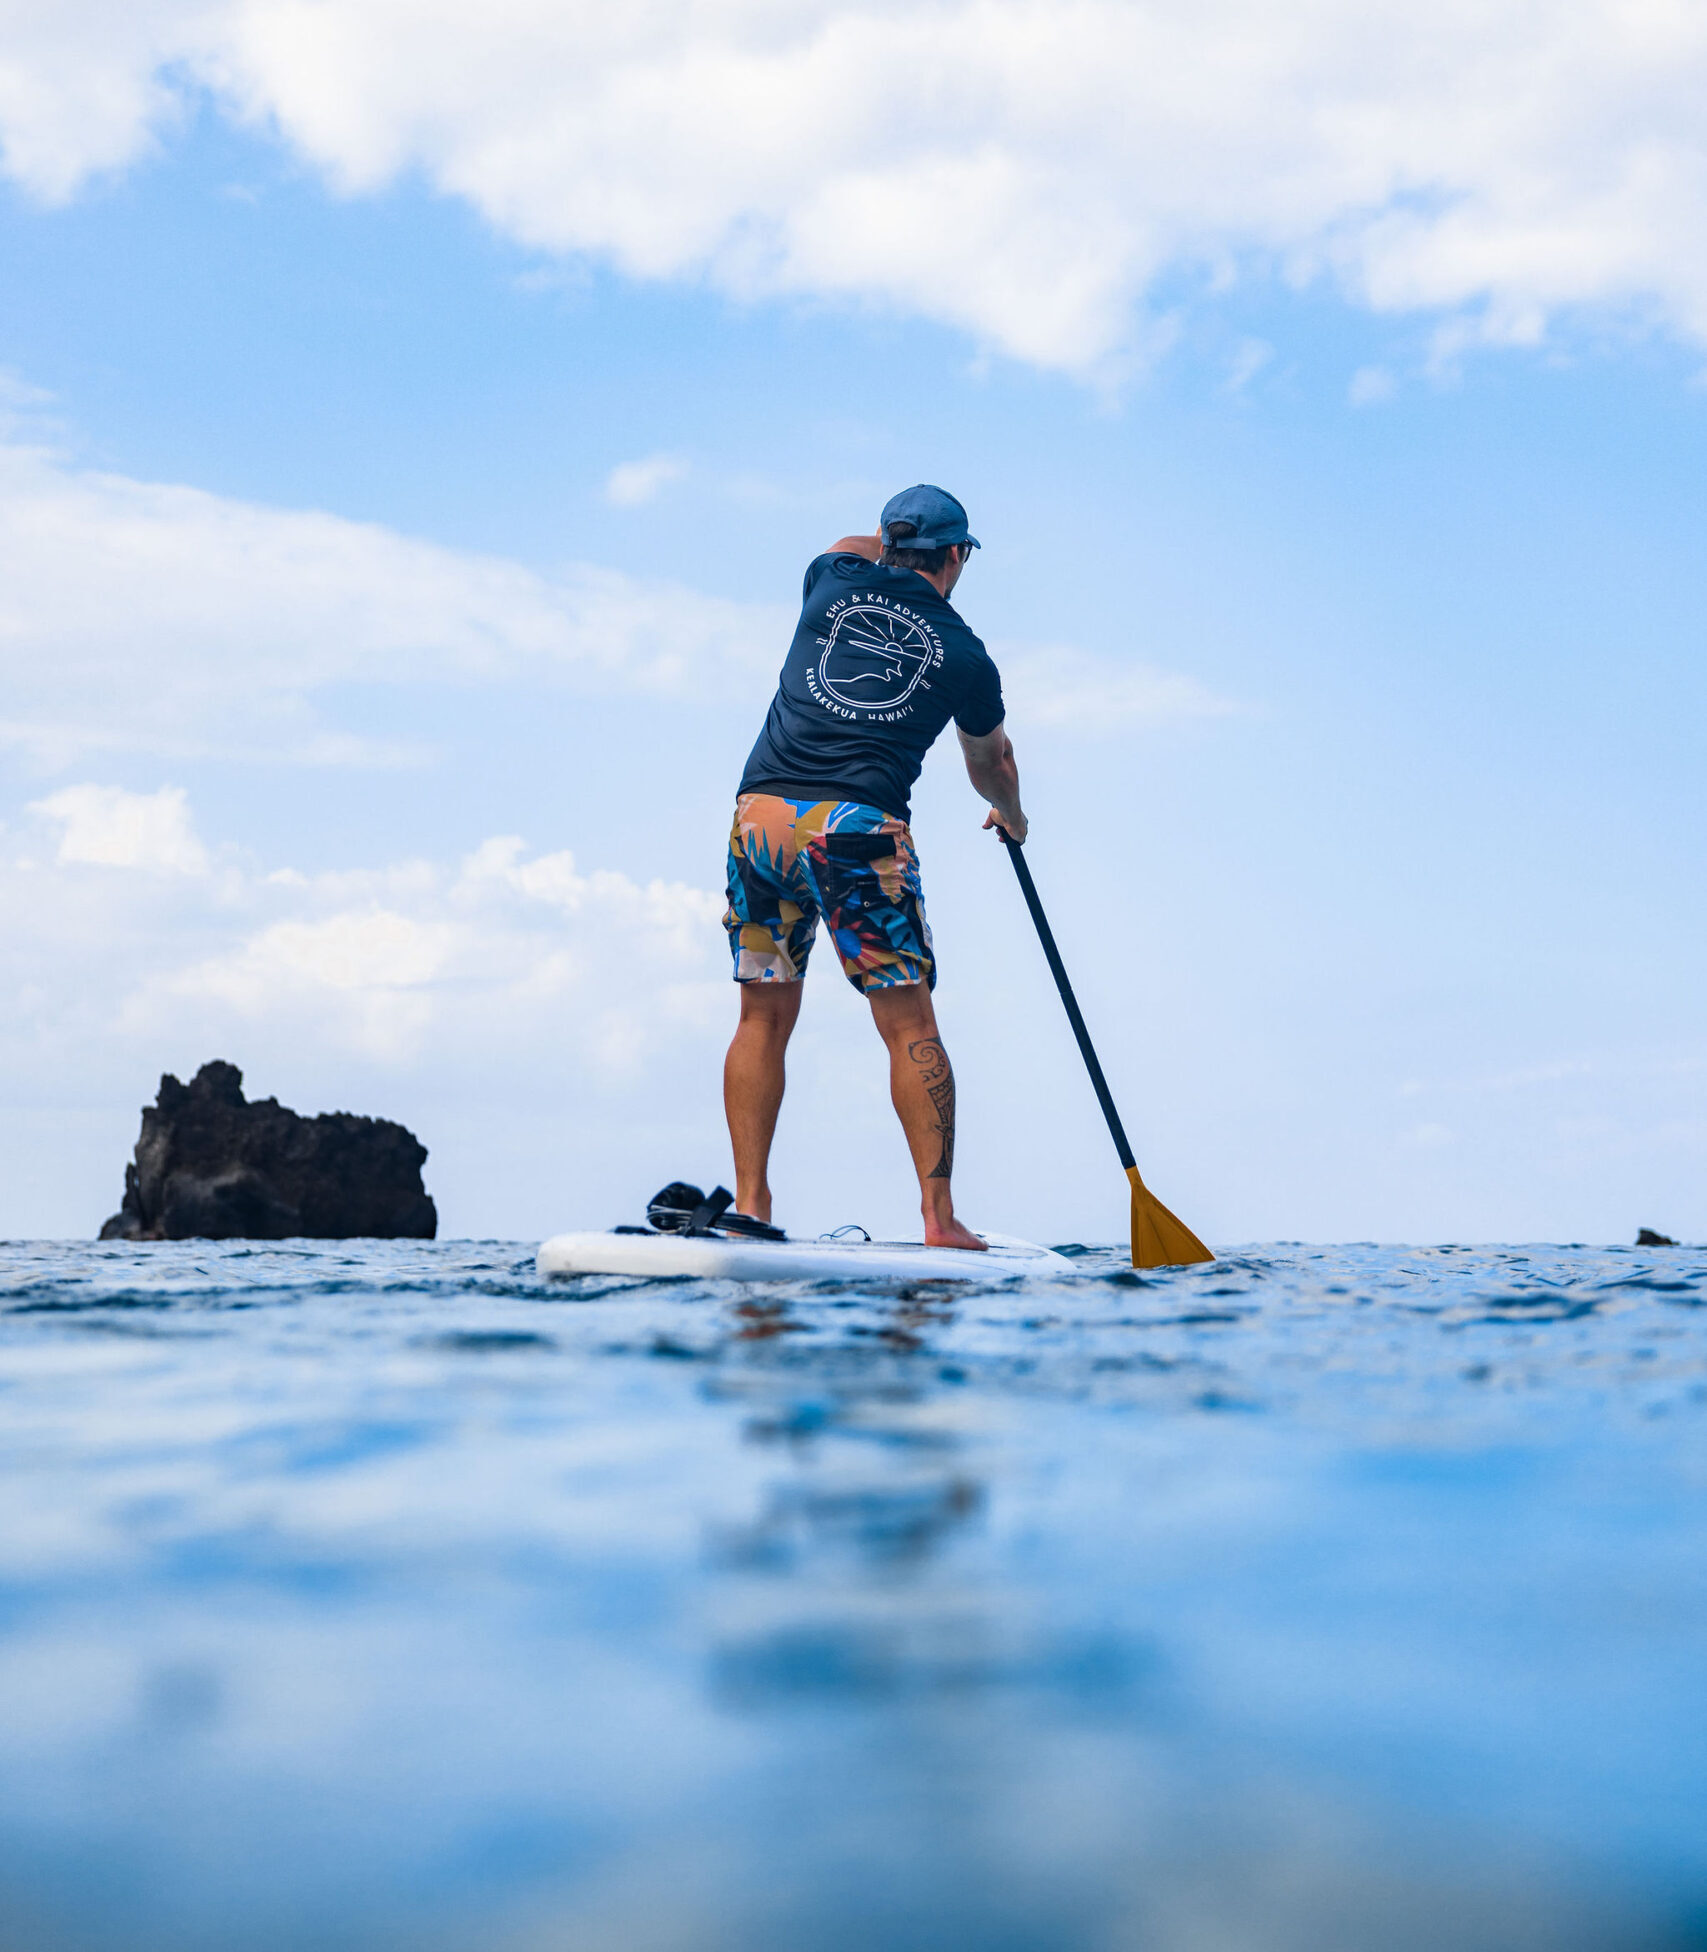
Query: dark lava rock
(1646, 1237)
(211, 1166)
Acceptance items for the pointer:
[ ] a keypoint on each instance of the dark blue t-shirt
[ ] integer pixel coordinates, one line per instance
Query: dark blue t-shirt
(879, 664)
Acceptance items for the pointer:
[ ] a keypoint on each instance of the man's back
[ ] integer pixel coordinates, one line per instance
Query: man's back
(879, 664)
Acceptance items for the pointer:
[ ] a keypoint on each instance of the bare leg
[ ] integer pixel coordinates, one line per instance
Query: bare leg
(921, 1082)
(753, 1079)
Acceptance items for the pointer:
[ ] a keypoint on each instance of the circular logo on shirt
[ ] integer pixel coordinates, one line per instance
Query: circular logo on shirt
(875, 657)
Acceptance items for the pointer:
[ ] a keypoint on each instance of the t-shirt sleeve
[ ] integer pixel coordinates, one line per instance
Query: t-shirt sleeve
(979, 709)
(846, 565)
(814, 569)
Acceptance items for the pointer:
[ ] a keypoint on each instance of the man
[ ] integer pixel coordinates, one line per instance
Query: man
(880, 662)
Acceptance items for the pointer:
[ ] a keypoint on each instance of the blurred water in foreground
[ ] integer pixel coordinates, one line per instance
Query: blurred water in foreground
(371, 1595)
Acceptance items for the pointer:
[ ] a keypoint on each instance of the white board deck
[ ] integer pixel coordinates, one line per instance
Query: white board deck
(723, 1259)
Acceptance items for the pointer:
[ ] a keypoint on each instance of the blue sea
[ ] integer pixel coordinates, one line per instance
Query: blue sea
(380, 1595)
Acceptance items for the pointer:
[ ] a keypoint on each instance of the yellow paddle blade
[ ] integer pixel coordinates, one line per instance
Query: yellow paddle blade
(1158, 1239)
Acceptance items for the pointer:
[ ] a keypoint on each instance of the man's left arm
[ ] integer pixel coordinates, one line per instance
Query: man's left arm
(994, 776)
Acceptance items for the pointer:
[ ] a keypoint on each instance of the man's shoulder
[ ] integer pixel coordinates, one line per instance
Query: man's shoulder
(964, 635)
(841, 564)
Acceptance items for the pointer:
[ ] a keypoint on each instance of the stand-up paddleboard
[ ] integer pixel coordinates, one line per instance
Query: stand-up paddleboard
(641, 1251)
(690, 1233)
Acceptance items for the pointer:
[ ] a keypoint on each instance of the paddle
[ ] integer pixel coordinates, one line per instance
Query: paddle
(1158, 1239)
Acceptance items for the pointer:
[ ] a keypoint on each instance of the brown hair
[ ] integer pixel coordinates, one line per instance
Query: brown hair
(896, 555)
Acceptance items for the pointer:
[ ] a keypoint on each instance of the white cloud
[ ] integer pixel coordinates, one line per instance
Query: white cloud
(365, 975)
(135, 615)
(82, 87)
(498, 952)
(1022, 169)
(493, 951)
(142, 617)
(1370, 385)
(634, 483)
(108, 827)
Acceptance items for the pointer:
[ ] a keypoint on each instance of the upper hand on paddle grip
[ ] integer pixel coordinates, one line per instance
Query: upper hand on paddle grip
(994, 776)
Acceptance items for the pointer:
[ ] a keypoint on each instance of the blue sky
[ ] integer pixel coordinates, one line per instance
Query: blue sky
(1352, 619)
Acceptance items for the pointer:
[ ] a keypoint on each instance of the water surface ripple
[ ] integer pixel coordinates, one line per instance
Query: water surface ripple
(384, 1595)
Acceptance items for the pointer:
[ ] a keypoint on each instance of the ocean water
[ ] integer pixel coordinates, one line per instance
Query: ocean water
(386, 1596)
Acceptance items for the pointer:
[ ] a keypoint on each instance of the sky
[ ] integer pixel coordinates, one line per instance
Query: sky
(414, 423)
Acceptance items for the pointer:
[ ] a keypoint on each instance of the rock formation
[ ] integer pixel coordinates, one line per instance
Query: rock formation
(211, 1166)
(1646, 1237)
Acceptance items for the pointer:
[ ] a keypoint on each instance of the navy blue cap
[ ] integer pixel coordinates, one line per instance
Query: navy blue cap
(937, 516)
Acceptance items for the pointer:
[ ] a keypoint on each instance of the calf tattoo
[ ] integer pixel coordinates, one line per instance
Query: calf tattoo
(936, 1074)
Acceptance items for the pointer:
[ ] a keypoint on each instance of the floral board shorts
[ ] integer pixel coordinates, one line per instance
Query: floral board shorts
(791, 861)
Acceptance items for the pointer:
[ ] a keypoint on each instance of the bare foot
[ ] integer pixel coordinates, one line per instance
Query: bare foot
(952, 1234)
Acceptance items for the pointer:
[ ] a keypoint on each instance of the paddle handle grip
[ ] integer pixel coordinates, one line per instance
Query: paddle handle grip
(1057, 969)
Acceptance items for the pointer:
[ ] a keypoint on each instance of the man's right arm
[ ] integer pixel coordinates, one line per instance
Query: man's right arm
(868, 546)
(994, 776)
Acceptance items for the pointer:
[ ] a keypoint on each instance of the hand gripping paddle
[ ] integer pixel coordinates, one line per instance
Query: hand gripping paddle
(1158, 1239)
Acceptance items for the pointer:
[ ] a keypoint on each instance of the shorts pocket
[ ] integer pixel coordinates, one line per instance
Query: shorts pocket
(859, 847)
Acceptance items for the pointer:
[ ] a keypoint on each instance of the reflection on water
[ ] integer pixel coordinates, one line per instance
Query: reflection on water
(386, 1596)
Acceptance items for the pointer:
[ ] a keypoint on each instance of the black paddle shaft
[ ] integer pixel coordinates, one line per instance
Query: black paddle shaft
(1016, 854)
